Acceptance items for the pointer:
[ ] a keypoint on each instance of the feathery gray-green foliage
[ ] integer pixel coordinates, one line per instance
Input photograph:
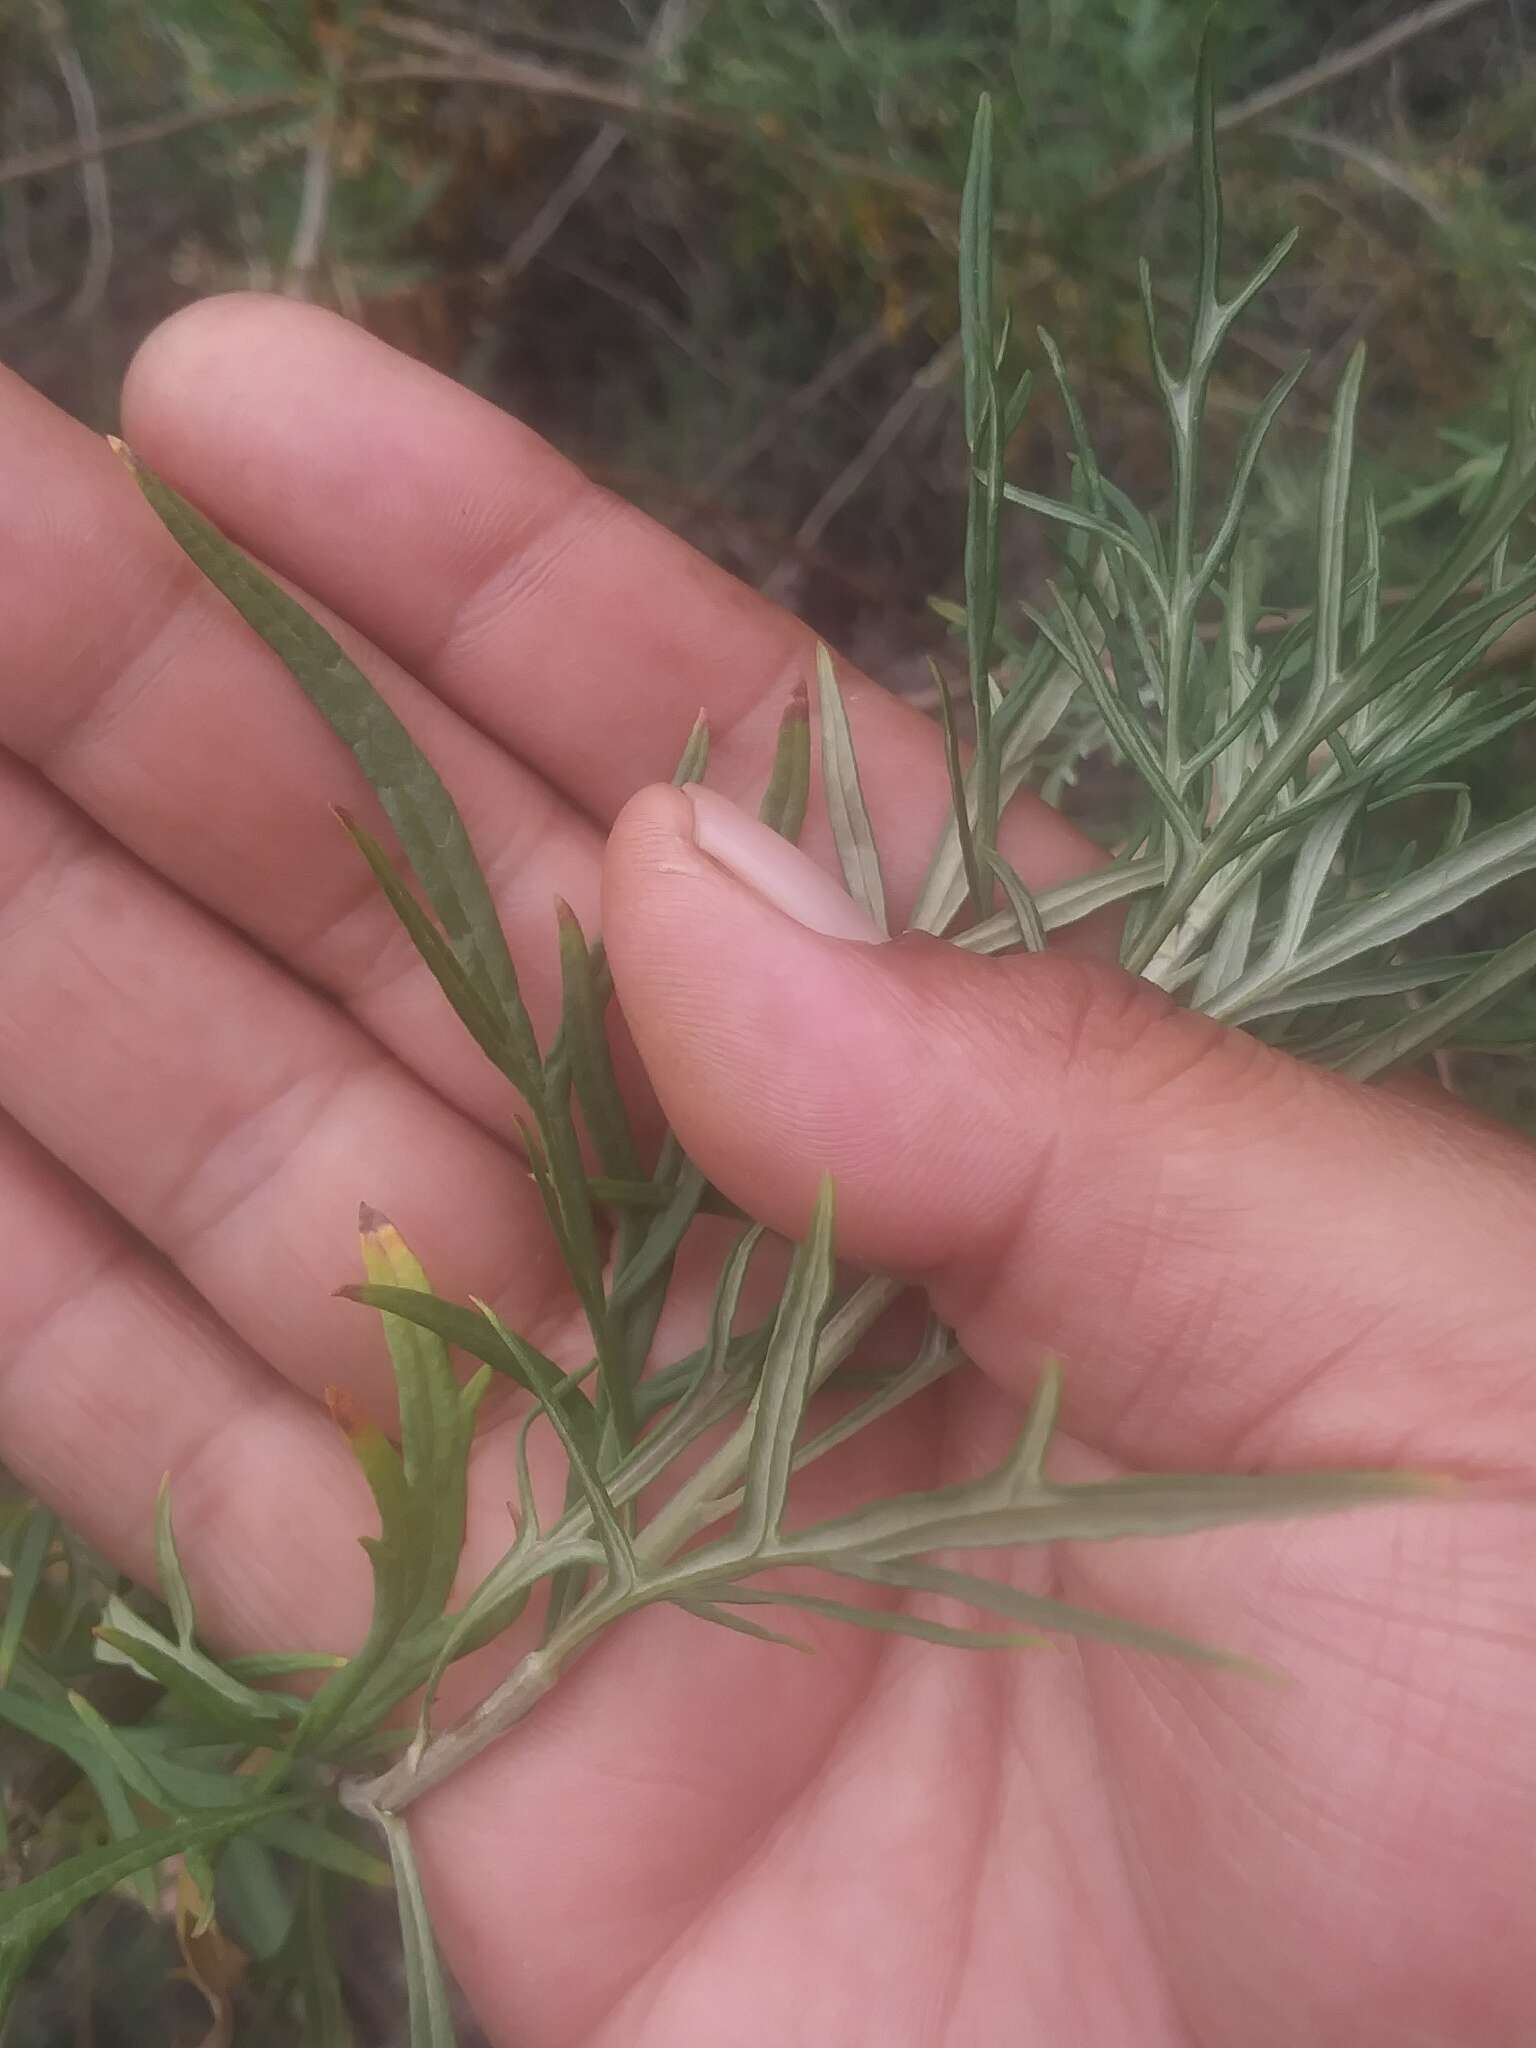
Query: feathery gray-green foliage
(1250, 890)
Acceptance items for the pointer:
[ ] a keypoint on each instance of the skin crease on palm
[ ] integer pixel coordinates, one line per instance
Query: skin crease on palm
(212, 1045)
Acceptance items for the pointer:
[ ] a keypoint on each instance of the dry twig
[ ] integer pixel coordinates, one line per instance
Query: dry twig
(836, 370)
(64, 156)
(314, 200)
(94, 187)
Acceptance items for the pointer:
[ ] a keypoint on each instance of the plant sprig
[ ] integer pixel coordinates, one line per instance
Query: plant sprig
(1249, 887)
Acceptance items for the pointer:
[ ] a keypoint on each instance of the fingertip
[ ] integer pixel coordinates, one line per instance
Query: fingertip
(197, 346)
(175, 357)
(655, 822)
(652, 835)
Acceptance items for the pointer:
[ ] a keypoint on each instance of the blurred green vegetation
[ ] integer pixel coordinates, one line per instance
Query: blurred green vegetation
(709, 249)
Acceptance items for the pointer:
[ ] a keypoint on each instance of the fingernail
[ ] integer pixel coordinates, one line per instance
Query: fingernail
(772, 868)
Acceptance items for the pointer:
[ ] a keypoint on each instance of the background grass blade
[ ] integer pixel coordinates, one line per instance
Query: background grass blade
(30, 1913)
(28, 1561)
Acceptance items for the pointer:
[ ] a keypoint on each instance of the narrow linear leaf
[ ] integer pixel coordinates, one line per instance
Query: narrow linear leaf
(436, 1427)
(192, 1678)
(30, 1913)
(1068, 903)
(959, 797)
(1228, 956)
(982, 1515)
(468, 1330)
(256, 1904)
(1088, 474)
(1016, 404)
(97, 1761)
(1311, 868)
(975, 262)
(1087, 1623)
(182, 1787)
(325, 2013)
(937, 1356)
(789, 784)
(314, 1843)
(430, 2020)
(1083, 521)
(785, 1384)
(1397, 978)
(693, 763)
(173, 1580)
(1333, 536)
(134, 1774)
(711, 1610)
(1028, 716)
(890, 1621)
(1237, 497)
(649, 1195)
(1029, 1454)
(281, 1664)
(424, 1377)
(1025, 910)
(1129, 735)
(1494, 856)
(26, 1576)
(662, 1239)
(1249, 290)
(562, 1180)
(849, 815)
(1254, 702)
(585, 1038)
(479, 1017)
(610, 1532)
(1207, 189)
(718, 1362)
(1434, 1024)
(408, 786)
(398, 1554)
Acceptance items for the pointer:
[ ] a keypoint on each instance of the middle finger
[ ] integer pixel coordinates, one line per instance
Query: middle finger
(234, 1117)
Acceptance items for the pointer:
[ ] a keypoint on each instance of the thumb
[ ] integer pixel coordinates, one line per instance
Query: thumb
(1199, 1225)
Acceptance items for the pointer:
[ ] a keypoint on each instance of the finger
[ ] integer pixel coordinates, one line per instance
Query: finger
(113, 1375)
(233, 1116)
(134, 687)
(1240, 1257)
(572, 628)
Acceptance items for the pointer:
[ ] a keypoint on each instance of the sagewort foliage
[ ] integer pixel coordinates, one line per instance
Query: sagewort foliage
(1250, 888)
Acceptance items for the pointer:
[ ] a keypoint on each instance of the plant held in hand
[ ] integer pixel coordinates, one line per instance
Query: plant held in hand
(1251, 891)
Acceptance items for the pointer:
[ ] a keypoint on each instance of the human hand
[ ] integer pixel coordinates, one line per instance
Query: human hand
(213, 1043)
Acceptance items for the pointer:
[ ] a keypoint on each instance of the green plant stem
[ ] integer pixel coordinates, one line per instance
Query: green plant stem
(698, 1504)
(1014, 1504)
(1357, 688)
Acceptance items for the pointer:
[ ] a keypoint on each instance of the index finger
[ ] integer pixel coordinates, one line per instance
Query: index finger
(560, 620)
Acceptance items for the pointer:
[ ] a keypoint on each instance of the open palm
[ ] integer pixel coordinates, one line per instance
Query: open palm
(213, 1043)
